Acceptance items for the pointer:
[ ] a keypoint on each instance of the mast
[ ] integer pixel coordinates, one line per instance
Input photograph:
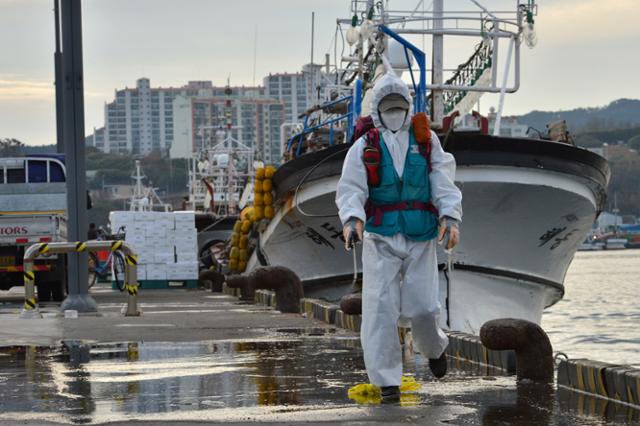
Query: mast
(437, 104)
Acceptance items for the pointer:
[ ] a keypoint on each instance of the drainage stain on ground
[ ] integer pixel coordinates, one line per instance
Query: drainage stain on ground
(293, 375)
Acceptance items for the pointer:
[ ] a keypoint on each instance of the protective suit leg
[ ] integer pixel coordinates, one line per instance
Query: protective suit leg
(381, 268)
(420, 300)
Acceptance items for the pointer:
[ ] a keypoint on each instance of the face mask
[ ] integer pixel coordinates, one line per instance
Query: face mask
(393, 119)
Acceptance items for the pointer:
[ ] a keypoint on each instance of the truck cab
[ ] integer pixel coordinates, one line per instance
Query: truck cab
(33, 204)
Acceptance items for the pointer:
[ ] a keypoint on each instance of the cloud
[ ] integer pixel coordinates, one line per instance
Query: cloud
(20, 89)
(13, 88)
(589, 20)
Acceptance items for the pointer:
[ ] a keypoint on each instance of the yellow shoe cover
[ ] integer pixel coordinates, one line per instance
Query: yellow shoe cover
(365, 393)
(409, 384)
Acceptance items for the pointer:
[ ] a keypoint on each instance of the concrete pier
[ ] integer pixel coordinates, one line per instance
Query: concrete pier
(194, 356)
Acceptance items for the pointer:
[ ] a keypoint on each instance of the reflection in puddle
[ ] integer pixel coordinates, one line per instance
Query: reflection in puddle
(293, 372)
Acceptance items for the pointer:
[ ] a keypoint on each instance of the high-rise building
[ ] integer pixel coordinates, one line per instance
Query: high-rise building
(96, 139)
(298, 91)
(140, 120)
(255, 122)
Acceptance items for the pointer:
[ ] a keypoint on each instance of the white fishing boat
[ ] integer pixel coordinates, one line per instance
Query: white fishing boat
(615, 244)
(528, 202)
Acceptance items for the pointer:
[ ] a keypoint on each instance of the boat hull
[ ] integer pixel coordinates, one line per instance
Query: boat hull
(521, 227)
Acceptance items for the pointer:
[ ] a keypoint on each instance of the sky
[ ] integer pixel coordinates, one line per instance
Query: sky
(587, 51)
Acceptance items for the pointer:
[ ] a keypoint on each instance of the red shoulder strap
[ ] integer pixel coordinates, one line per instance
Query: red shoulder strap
(371, 157)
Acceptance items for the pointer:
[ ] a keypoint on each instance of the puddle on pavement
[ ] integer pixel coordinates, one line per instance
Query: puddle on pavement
(293, 370)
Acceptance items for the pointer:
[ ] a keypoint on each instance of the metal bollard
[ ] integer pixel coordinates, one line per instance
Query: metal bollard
(30, 309)
(131, 285)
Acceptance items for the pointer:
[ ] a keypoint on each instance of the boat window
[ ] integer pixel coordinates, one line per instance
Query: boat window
(15, 175)
(56, 173)
(37, 171)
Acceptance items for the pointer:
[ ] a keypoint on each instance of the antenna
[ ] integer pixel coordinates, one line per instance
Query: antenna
(313, 20)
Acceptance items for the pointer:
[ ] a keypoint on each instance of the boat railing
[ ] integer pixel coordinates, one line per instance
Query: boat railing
(297, 141)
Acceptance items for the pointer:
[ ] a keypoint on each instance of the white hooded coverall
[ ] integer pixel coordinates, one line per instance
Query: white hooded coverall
(400, 276)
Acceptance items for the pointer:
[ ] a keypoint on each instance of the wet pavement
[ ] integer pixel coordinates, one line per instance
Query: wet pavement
(198, 357)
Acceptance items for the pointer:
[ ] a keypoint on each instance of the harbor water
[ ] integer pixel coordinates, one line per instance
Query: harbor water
(599, 314)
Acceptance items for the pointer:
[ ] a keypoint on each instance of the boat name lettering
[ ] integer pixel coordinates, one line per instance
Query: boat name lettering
(563, 239)
(335, 233)
(317, 238)
(548, 236)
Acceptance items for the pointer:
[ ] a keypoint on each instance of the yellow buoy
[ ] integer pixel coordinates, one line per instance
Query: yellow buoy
(236, 226)
(246, 225)
(260, 172)
(269, 171)
(243, 215)
(258, 199)
(233, 264)
(267, 185)
(243, 255)
(268, 212)
(257, 189)
(234, 253)
(235, 237)
(244, 242)
(267, 199)
(242, 265)
(258, 213)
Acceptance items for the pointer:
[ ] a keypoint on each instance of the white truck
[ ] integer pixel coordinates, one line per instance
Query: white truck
(33, 204)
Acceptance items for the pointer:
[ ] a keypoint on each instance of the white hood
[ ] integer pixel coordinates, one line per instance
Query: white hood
(386, 85)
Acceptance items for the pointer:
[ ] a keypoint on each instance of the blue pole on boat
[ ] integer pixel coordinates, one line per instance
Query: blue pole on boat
(357, 99)
(421, 90)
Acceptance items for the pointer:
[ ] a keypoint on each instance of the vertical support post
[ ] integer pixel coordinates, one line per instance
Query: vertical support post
(57, 61)
(73, 118)
(131, 282)
(30, 309)
(503, 89)
(437, 106)
(494, 55)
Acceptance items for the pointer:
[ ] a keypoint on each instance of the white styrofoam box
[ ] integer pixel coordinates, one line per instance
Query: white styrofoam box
(184, 217)
(186, 270)
(166, 220)
(185, 237)
(164, 258)
(187, 251)
(156, 232)
(121, 216)
(156, 271)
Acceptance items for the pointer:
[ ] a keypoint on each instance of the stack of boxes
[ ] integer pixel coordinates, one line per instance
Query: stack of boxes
(166, 243)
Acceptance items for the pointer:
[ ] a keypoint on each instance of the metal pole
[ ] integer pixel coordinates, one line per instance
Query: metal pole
(437, 106)
(313, 21)
(73, 118)
(57, 60)
(505, 77)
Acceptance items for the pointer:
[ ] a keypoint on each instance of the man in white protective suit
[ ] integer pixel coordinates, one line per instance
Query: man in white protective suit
(397, 195)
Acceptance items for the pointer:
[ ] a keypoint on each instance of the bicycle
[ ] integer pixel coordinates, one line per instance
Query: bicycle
(115, 263)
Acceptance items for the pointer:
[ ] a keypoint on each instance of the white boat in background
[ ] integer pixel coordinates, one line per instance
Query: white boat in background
(591, 246)
(615, 244)
(528, 203)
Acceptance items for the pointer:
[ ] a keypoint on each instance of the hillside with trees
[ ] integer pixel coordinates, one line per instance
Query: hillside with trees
(619, 114)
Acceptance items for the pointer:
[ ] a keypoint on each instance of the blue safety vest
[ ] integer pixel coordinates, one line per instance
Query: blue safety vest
(402, 205)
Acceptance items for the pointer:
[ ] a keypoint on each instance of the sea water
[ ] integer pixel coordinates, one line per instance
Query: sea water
(599, 316)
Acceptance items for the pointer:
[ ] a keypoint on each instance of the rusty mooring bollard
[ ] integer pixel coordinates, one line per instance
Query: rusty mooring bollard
(534, 354)
(351, 304)
(283, 281)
